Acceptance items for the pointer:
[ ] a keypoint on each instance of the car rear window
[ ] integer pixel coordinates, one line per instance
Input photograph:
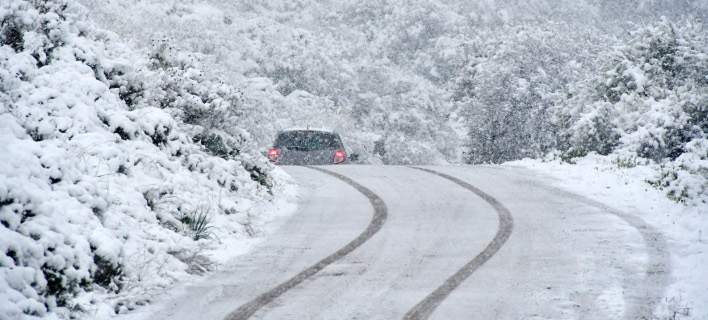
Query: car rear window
(304, 140)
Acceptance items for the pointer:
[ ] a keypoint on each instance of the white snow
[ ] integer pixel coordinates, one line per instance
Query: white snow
(97, 189)
(109, 146)
(685, 226)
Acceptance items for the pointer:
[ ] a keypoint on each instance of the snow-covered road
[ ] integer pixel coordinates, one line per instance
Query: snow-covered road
(566, 258)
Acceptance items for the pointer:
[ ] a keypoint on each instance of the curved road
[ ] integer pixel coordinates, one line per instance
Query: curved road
(437, 243)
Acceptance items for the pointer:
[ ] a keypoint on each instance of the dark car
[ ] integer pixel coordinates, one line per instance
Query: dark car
(307, 147)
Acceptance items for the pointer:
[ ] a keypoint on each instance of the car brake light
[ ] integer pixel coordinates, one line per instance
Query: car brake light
(340, 156)
(274, 154)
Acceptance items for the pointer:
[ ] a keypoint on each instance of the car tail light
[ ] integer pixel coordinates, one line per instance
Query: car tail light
(274, 154)
(340, 156)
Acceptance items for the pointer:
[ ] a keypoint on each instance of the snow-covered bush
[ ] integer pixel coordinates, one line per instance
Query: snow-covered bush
(214, 110)
(652, 101)
(594, 132)
(507, 87)
(686, 178)
(101, 154)
(655, 91)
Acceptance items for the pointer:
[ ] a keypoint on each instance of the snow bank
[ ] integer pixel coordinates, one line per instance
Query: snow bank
(107, 167)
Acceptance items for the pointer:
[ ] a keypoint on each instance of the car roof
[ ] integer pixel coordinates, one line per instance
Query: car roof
(308, 129)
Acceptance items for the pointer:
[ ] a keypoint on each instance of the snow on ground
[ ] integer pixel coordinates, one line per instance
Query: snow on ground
(111, 190)
(627, 189)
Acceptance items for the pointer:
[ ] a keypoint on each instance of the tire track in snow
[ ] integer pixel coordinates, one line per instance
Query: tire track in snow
(424, 308)
(644, 292)
(378, 219)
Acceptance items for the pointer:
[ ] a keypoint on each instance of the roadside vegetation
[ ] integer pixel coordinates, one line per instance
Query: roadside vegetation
(107, 159)
(410, 82)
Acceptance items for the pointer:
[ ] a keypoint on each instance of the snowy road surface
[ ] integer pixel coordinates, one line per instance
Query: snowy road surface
(567, 257)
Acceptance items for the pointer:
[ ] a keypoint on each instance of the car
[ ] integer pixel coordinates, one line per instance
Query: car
(307, 147)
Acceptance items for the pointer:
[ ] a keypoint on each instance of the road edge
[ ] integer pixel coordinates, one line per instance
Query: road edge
(658, 267)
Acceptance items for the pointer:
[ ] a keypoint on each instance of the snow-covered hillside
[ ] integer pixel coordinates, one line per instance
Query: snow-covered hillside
(131, 131)
(111, 184)
(458, 81)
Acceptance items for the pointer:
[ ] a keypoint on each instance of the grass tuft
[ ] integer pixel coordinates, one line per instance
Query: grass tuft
(198, 224)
